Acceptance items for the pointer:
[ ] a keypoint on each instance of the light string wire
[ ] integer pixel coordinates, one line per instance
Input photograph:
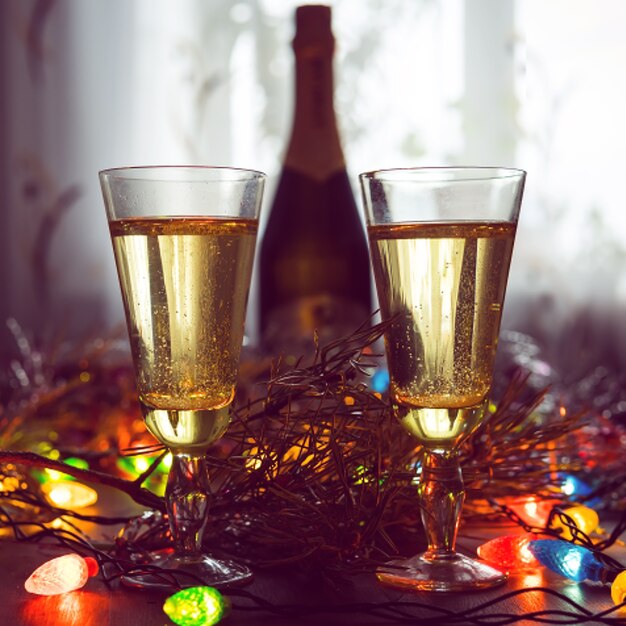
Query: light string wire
(394, 612)
(331, 376)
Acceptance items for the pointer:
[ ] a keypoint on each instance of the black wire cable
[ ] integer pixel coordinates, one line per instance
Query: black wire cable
(112, 568)
(396, 612)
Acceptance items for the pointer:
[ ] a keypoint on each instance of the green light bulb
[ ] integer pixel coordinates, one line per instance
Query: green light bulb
(196, 606)
(76, 462)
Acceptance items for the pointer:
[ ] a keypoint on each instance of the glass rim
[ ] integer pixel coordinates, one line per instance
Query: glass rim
(133, 172)
(475, 173)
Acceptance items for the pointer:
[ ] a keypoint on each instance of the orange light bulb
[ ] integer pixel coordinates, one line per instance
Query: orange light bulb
(60, 575)
(618, 588)
(531, 509)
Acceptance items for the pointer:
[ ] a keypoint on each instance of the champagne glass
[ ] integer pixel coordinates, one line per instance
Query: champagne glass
(441, 241)
(184, 240)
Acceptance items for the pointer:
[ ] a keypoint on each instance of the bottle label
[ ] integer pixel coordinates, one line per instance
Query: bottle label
(304, 273)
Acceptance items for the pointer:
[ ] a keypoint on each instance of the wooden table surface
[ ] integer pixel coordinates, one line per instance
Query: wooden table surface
(98, 605)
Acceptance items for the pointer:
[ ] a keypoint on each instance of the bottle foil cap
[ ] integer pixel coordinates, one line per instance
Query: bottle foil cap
(313, 27)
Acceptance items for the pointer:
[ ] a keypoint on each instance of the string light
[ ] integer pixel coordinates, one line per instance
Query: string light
(133, 465)
(570, 560)
(586, 520)
(532, 510)
(380, 380)
(9, 484)
(58, 523)
(574, 486)
(509, 553)
(196, 606)
(618, 588)
(49, 474)
(364, 476)
(136, 465)
(62, 574)
(69, 494)
(76, 462)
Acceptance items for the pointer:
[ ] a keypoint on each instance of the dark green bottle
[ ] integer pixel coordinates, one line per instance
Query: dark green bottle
(314, 261)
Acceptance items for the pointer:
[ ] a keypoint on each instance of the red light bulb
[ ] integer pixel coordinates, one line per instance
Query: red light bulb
(509, 553)
(62, 574)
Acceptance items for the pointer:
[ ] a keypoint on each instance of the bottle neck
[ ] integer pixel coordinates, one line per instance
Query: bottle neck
(314, 148)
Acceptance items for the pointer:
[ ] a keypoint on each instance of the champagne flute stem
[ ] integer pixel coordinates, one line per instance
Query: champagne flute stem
(187, 498)
(441, 494)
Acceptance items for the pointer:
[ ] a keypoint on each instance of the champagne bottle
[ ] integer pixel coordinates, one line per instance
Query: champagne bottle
(314, 262)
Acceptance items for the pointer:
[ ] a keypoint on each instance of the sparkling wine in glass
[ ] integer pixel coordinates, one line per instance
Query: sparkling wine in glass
(441, 241)
(184, 241)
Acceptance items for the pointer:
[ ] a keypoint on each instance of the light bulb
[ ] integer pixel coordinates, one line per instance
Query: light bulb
(380, 381)
(586, 519)
(618, 588)
(196, 606)
(531, 509)
(76, 462)
(574, 486)
(569, 560)
(509, 553)
(69, 494)
(60, 575)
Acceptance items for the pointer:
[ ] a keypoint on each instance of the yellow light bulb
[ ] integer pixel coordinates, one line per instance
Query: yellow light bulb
(69, 494)
(586, 519)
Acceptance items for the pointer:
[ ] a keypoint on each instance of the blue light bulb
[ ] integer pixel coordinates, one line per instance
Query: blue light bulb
(574, 486)
(380, 381)
(569, 560)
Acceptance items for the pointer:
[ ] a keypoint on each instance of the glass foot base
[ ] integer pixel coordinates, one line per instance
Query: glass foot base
(456, 573)
(218, 573)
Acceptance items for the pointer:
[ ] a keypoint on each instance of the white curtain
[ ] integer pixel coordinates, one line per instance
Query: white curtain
(90, 84)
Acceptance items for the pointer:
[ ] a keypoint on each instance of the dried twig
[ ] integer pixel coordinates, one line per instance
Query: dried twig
(139, 494)
(314, 469)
